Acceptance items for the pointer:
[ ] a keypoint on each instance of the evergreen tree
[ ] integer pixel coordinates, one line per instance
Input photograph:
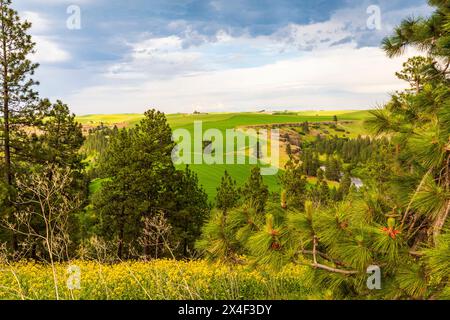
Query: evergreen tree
(116, 203)
(139, 172)
(19, 102)
(294, 184)
(33, 133)
(344, 186)
(333, 169)
(289, 150)
(190, 212)
(60, 139)
(335, 119)
(320, 175)
(324, 192)
(228, 194)
(255, 192)
(141, 181)
(305, 127)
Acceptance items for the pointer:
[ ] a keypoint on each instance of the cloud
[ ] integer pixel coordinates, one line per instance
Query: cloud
(339, 78)
(40, 24)
(156, 58)
(55, 2)
(48, 51)
(314, 36)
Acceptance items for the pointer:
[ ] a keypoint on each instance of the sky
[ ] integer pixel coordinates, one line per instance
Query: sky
(115, 56)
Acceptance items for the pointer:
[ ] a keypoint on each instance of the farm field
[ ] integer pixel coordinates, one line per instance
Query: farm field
(225, 120)
(210, 175)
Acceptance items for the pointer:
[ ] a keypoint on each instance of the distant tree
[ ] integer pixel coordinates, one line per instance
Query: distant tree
(258, 150)
(320, 175)
(289, 150)
(344, 186)
(333, 169)
(255, 192)
(310, 162)
(228, 194)
(305, 127)
(294, 184)
(324, 191)
(335, 119)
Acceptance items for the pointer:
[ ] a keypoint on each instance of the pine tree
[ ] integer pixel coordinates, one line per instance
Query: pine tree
(255, 192)
(294, 184)
(324, 191)
(19, 102)
(33, 133)
(333, 171)
(320, 175)
(60, 139)
(228, 194)
(289, 150)
(344, 186)
(335, 119)
(190, 212)
(139, 172)
(141, 181)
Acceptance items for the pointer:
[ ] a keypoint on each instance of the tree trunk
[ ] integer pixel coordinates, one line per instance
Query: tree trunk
(121, 236)
(440, 221)
(6, 122)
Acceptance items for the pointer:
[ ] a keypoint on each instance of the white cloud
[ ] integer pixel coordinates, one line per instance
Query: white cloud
(48, 51)
(39, 23)
(156, 58)
(344, 77)
(313, 36)
(47, 48)
(56, 2)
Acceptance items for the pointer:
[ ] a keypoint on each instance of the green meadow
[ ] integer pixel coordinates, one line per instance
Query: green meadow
(226, 120)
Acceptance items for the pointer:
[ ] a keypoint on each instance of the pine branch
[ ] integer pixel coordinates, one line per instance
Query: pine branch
(335, 270)
(439, 223)
(323, 256)
(317, 265)
(422, 182)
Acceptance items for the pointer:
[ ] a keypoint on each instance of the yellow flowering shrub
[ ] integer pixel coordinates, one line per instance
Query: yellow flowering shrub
(156, 280)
